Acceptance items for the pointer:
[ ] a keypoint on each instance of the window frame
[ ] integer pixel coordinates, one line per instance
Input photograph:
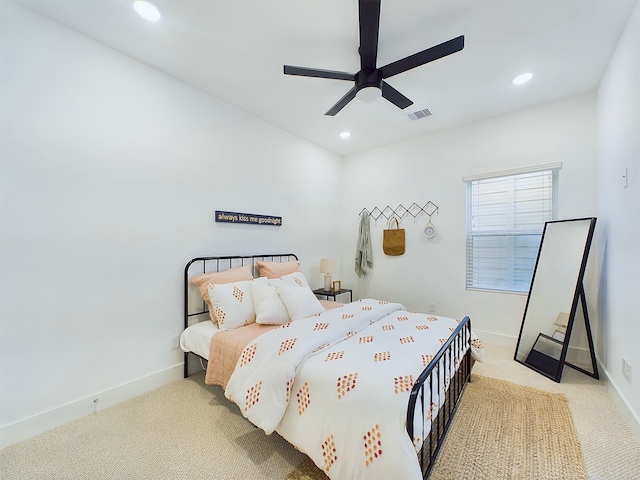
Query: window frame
(509, 259)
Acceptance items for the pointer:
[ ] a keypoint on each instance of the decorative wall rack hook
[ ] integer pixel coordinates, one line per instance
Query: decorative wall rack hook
(414, 210)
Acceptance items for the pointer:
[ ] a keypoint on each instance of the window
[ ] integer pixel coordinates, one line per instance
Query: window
(506, 214)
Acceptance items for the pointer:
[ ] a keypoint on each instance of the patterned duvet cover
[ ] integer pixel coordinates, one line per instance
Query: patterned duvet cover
(336, 386)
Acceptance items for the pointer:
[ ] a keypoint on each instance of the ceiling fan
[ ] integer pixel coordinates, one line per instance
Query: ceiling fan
(369, 81)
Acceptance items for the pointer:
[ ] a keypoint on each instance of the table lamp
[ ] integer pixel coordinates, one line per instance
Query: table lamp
(562, 320)
(327, 266)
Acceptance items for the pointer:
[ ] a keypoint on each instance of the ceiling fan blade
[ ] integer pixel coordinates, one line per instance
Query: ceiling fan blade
(350, 95)
(316, 72)
(394, 96)
(429, 55)
(369, 11)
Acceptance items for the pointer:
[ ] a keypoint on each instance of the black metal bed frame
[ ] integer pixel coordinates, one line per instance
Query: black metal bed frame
(435, 373)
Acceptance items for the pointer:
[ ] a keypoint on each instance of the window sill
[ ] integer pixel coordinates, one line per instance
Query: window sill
(486, 290)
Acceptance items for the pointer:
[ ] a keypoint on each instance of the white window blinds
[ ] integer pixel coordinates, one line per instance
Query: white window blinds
(505, 218)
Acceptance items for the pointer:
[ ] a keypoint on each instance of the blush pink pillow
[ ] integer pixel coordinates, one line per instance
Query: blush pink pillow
(228, 276)
(277, 269)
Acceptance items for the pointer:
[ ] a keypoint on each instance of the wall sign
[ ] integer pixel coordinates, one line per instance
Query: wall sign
(252, 218)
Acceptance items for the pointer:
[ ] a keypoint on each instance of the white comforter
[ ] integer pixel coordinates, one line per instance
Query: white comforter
(336, 385)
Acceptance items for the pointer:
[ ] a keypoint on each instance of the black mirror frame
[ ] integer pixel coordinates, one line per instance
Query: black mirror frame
(579, 296)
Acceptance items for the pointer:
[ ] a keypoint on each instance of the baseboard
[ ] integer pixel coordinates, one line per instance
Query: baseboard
(631, 417)
(499, 339)
(28, 427)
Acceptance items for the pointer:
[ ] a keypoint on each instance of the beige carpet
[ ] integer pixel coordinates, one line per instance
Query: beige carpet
(183, 430)
(189, 430)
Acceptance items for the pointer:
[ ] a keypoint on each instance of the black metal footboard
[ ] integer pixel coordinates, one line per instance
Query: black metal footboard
(446, 376)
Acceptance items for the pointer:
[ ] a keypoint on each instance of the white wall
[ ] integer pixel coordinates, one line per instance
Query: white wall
(432, 168)
(109, 177)
(619, 209)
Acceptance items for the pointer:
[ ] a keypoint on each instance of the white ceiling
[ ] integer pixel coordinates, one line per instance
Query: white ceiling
(235, 50)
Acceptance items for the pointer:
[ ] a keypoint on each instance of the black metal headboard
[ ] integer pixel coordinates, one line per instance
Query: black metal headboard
(194, 305)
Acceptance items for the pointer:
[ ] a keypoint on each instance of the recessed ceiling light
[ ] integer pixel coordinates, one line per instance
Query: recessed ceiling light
(147, 10)
(345, 134)
(522, 78)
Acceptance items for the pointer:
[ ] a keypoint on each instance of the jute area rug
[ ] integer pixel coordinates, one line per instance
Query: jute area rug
(501, 431)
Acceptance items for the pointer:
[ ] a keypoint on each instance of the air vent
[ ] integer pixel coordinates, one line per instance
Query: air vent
(425, 112)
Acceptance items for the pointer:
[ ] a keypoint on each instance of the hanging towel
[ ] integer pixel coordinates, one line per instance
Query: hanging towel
(364, 252)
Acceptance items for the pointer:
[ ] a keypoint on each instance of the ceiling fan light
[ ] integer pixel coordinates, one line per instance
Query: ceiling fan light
(147, 10)
(368, 94)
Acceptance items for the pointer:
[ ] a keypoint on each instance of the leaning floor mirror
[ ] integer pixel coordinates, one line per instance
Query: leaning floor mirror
(555, 326)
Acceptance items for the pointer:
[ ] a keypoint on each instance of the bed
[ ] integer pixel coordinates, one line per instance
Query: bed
(323, 379)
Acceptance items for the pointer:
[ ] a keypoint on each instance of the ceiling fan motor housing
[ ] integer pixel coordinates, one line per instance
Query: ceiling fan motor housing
(368, 77)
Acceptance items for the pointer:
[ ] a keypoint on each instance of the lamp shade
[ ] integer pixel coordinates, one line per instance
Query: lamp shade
(327, 265)
(562, 320)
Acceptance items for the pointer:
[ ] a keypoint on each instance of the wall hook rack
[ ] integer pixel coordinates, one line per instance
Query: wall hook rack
(401, 211)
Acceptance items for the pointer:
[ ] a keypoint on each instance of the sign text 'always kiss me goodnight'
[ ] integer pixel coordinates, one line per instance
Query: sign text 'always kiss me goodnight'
(251, 218)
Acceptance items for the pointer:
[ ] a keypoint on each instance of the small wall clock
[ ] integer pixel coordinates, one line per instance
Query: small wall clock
(429, 230)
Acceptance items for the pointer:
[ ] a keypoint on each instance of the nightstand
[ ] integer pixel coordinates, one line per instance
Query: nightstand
(331, 293)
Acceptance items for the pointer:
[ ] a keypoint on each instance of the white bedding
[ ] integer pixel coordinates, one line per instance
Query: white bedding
(197, 337)
(336, 386)
(309, 432)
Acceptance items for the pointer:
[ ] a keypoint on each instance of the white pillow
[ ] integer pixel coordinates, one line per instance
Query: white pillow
(267, 304)
(232, 304)
(300, 302)
(295, 279)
